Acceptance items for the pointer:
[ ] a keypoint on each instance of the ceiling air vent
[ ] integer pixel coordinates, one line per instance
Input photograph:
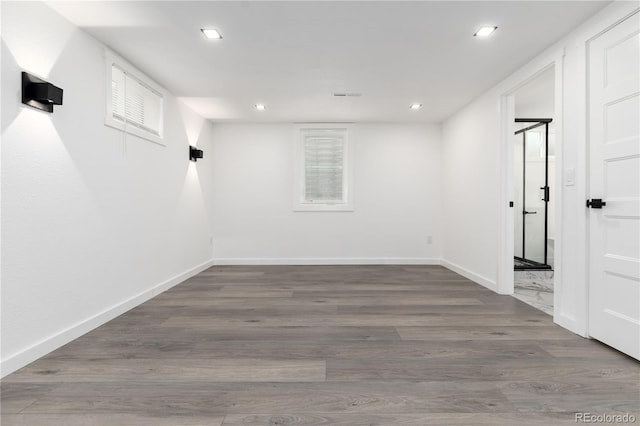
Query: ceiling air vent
(347, 95)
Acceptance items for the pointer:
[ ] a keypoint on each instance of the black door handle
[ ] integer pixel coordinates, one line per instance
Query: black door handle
(526, 212)
(545, 197)
(596, 203)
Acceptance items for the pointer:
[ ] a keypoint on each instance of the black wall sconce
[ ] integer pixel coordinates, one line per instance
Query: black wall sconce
(40, 94)
(195, 153)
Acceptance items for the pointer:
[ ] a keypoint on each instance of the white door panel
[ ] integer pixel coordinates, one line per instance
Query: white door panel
(614, 176)
(621, 118)
(629, 148)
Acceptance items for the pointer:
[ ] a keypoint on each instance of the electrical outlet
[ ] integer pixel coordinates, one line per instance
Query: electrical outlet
(429, 239)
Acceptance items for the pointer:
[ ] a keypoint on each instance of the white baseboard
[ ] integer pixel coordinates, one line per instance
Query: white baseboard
(327, 261)
(570, 323)
(21, 359)
(484, 281)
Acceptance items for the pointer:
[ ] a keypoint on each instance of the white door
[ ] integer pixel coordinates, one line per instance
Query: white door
(614, 177)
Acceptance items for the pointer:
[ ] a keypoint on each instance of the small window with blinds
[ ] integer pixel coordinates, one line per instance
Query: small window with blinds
(134, 103)
(323, 169)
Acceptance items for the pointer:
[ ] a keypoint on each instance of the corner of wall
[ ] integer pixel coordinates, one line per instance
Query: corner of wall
(484, 281)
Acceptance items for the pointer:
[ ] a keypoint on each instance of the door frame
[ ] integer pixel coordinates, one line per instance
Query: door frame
(507, 129)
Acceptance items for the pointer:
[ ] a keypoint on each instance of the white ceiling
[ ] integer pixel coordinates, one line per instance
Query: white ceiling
(293, 56)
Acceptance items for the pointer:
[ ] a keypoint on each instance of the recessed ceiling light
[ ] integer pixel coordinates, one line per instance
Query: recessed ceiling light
(415, 106)
(260, 107)
(211, 34)
(485, 31)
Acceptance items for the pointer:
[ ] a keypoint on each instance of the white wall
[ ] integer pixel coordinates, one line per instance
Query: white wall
(470, 191)
(396, 197)
(472, 203)
(535, 99)
(92, 223)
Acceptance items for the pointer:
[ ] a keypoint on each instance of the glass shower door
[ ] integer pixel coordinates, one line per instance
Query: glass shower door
(532, 195)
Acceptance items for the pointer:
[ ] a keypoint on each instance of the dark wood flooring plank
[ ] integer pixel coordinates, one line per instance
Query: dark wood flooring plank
(251, 331)
(589, 395)
(475, 351)
(191, 368)
(482, 332)
(418, 295)
(230, 291)
(108, 419)
(360, 320)
(326, 300)
(178, 398)
(582, 349)
(487, 369)
(431, 309)
(15, 397)
(432, 419)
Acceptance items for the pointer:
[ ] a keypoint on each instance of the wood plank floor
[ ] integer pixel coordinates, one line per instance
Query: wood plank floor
(325, 345)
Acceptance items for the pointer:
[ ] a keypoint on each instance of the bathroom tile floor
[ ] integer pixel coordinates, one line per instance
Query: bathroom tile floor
(535, 288)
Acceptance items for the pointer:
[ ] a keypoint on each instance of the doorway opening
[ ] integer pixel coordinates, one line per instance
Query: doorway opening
(534, 176)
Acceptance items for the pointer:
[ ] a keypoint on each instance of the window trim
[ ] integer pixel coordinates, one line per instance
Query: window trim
(299, 131)
(111, 59)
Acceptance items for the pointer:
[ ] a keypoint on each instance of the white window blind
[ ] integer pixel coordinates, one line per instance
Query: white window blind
(134, 103)
(324, 169)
